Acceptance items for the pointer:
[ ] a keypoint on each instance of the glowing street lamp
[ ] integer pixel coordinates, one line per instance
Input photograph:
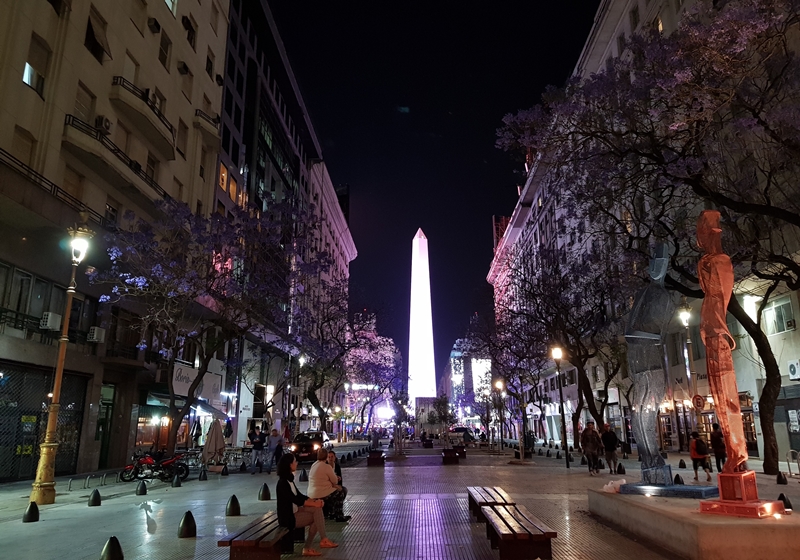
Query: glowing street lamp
(558, 354)
(44, 487)
(684, 314)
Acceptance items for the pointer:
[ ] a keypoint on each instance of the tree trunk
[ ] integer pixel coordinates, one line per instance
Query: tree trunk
(772, 386)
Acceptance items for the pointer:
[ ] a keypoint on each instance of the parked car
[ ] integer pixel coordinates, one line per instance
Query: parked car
(306, 445)
(467, 433)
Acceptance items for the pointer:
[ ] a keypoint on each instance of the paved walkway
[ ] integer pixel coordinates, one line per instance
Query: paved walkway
(413, 508)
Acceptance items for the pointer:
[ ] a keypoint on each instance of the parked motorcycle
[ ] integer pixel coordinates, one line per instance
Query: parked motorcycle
(144, 465)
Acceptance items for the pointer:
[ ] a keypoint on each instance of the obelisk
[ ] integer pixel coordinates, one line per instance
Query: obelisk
(421, 363)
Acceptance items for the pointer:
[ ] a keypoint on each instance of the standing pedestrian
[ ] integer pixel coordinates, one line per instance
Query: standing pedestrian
(274, 449)
(718, 446)
(257, 454)
(610, 444)
(591, 444)
(699, 453)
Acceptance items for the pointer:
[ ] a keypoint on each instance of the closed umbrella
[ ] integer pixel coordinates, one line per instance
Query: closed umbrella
(215, 443)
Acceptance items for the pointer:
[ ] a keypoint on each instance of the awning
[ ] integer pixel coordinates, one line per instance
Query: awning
(99, 31)
(161, 399)
(203, 407)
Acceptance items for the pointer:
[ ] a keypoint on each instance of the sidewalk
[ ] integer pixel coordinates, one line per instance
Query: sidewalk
(406, 510)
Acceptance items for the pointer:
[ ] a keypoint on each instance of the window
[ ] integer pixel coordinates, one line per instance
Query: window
(164, 51)
(187, 84)
(58, 6)
(634, 17)
(210, 64)
(235, 152)
(84, 103)
(20, 291)
(232, 187)
(39, 297)
(206, 105)
(203, 158)
(231, 67)
(183, 138)
(172, 5)
(228, 102)
(139, 14)
(199, 209)
(226, 138)
(214, 17)
(191, 30)
(36, 65)
(152, 167)
(620, 44)
(160, 101)
(595, 375)
(220, 208)
(130, 68)
(223, 177)
(23, 146)
(95, 40)
(73, 182)
(122, 137)
(112, 211)
(778, 317)
(178, 189)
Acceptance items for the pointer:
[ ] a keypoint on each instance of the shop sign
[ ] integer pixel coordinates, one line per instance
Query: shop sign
(209, 387)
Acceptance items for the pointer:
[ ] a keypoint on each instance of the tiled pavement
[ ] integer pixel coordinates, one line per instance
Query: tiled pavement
(404, 511)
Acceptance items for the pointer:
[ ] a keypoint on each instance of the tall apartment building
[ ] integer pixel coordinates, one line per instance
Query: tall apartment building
(530, 228)
(270, 154)
(105, 107)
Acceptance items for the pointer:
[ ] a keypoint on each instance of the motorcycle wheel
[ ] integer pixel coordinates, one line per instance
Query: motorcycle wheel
(127, 475)
(183, 470)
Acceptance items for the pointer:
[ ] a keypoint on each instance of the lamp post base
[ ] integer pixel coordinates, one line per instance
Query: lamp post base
(44, 488)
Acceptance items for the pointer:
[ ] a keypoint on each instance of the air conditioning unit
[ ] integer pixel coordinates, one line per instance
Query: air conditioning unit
(50, 321)
(102, 124)
(183, 68)
(790, 325)
(96, 334)
(794, 370)
(153, 25)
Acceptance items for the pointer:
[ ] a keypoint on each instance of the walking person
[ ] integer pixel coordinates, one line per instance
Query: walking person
(296, 510)
(699, 453)
(718, 446)
(274, 449)
(324, 484)
(591, 444)
(257, 454)
(610, 444)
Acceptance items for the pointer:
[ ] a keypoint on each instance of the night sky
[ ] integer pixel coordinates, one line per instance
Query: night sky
(405, 98)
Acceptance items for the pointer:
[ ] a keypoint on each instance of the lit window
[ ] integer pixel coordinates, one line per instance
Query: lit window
(778, 317)
(223, 177)
(232, 189)
(172, 5)
(36, 66)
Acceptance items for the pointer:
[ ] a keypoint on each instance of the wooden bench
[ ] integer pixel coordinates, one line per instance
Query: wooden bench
(263, 539)
(479, 496)
(517, 532)
(376, 458)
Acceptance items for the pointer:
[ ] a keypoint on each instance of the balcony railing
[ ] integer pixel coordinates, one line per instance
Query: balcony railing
(29, 325)
(213, 121)
(48, 186)
(134, 165)
(144, 96)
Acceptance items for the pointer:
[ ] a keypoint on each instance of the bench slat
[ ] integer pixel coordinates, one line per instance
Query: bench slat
(520, 532)
(230, 537)
(278, 534)
(494, 497)
(257, 534)
(497, 522)
(504, 495)
(523, 513)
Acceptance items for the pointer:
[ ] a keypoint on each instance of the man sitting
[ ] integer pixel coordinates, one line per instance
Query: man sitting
(323, 483)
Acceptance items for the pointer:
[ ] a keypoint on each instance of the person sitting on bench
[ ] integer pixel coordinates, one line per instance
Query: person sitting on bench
(296, 510)
(323, 484)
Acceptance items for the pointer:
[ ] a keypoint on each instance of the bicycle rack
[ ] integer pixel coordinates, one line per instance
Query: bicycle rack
(103, 480)
(69, 486)
(87, 482)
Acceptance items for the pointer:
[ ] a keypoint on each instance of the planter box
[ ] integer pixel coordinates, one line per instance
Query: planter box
(449, 457)
(460, 451)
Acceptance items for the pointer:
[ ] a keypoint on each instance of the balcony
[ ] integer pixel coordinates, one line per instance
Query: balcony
(95, 150)
(209, 128)
(48, 186)
(140, 109)
(26, 327)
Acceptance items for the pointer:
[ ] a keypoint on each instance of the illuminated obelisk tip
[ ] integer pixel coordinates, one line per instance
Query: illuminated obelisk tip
(421, 365)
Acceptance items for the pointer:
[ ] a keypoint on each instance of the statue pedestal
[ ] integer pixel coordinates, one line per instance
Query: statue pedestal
(739, 497)
(661, 476)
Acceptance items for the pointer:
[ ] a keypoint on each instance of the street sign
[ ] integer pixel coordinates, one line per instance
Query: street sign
(699, 402)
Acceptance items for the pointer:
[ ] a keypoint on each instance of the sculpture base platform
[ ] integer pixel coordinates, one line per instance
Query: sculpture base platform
(676, 525)
(739, 498)
(671, 490)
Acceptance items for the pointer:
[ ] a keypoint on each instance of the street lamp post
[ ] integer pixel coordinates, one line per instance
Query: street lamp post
(557, 355)
(488, 399)
(499, 386)
(44, 487)
(685, 313)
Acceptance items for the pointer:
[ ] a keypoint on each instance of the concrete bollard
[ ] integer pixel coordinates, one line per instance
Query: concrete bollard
(620, 468)
(540, 452)
(678, 480)
(787, 503)
(263, 494)
(95, 499)
(203, 474)
(224, 470)
(549, 454)
(176, 481)
(558, 454)
(583, 460)
(782, 478)
(112, 550)
(188, 528)
(681, 464)
(304, 476)
(141, 488)
(233, 509)
(31, 514)
(242, 467)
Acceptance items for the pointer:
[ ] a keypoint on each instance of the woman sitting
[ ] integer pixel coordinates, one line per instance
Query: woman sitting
(296, 510)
